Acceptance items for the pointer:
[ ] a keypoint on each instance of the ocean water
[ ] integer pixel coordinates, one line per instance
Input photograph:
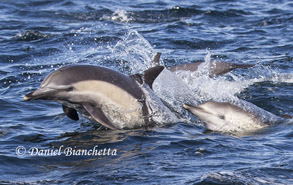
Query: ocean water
(38, 37)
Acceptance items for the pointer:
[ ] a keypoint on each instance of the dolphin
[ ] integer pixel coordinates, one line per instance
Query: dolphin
(226, 117)
(215, 68)
(103, 95)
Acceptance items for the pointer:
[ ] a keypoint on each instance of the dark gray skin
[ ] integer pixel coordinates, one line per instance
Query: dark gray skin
(60, 84)
(216, 68)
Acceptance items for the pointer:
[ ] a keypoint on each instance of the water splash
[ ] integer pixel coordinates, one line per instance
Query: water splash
(173, 91)
(196, 87)
(134, 52)
(237, 177)
(118, 15)
(158, 111)
(31, 35)
(282, 78)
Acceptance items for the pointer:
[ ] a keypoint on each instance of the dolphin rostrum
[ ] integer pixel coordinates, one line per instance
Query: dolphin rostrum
(226, 117)
(102, 95)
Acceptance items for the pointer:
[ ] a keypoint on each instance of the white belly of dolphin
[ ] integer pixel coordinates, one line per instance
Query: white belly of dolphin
(120, 107)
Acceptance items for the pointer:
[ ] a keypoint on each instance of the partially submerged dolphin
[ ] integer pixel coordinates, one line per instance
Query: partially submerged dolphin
(226, 117)
(102, 95)
(215, 68)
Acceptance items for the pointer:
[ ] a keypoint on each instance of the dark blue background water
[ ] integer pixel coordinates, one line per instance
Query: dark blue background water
(37, 37)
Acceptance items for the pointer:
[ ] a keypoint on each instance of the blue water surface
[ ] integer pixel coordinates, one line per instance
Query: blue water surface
(38, 37)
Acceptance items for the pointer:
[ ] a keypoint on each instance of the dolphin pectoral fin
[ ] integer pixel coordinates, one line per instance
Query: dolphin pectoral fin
(98, 115)
(151, 74)
(156, 59)
(71, 113)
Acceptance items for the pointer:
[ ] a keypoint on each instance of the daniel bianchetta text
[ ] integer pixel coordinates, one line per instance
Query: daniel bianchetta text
(66, 151)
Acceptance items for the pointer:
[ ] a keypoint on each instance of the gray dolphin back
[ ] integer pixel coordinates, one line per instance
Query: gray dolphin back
(216, 68)
(71, 74)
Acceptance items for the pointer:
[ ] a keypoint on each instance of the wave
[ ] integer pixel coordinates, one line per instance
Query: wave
(256, 177)
(31, 35)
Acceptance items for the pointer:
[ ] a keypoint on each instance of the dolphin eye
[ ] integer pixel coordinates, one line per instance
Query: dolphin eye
(222, 117)
(70, 89)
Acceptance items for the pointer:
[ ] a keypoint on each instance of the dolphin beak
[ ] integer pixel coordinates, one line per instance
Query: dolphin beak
(33, 95)
(194, 110)
(27, 97)
(46, 92)
(37, 94)
(186, 106)
(190, 107)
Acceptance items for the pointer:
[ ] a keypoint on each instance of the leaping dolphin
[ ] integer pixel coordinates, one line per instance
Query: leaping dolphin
(229, 118)
(103, 95)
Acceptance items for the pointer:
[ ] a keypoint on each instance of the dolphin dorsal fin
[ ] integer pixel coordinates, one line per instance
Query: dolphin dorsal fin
(148, 76)
(156, 59)
(151, 74)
